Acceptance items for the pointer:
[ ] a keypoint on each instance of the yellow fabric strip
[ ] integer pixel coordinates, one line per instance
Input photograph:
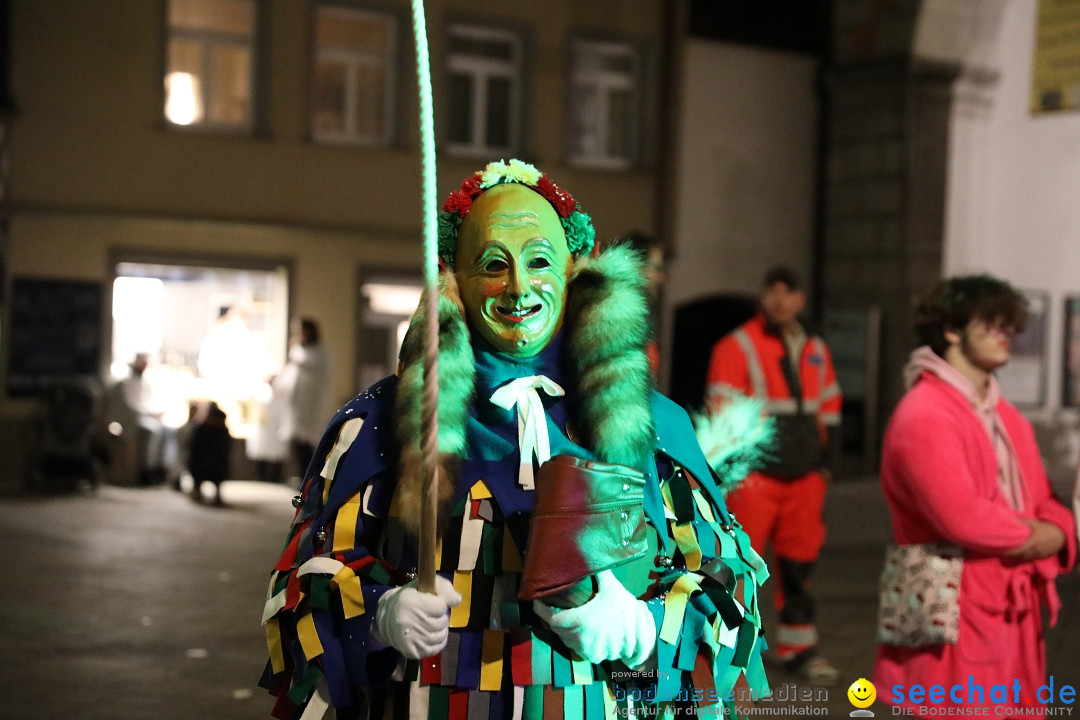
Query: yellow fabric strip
(273, 644)
(610, 706)
(703, 507)
(675, 607)
(686, 539)
(459, 616)
(309, 637)
(581, 670)
(345, 524)
(352, 595)
(711, 638)
(479, 491)
(491, 661)
(669, 505)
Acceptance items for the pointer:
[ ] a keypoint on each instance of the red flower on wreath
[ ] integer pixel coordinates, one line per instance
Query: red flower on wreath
(559, 199)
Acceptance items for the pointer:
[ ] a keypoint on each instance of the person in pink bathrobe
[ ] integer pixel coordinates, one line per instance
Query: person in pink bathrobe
(960, 465)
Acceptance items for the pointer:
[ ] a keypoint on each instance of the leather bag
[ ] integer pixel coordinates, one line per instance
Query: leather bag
(588, 516)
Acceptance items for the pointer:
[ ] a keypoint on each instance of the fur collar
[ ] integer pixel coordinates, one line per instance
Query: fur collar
(606, 328)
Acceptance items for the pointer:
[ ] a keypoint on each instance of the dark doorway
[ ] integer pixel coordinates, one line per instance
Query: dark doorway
(699, 324)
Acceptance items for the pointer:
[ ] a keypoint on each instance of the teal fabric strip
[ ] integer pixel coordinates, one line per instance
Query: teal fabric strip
(744, 646)
(688, 648)
(438, 702)
(722, 670)
(669, 678)
(541, 661)
(319, 592)
(488, 542)
(300, 692)
(533, 707)
(379, 575)
(755, 677)
(573, 703)
(594, 700)
(562, 673)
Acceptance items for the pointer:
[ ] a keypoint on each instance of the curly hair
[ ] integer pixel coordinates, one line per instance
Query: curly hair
(952, 303)
(580, 235)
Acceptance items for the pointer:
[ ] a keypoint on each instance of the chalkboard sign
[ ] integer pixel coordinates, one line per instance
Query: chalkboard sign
(55, 332)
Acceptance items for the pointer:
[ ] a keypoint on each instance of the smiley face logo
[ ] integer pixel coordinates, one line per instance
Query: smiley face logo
(862, 693)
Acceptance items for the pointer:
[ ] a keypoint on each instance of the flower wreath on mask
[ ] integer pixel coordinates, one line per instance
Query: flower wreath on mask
(580, 234)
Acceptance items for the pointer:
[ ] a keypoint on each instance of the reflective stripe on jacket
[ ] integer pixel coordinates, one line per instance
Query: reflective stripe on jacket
(750, 361)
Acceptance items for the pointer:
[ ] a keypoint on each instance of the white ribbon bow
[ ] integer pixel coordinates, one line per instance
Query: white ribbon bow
(532, 423)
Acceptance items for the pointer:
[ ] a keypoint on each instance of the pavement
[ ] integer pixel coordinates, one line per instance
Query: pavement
(140, 604)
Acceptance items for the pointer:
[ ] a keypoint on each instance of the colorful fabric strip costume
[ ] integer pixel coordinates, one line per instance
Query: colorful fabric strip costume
(353, 537)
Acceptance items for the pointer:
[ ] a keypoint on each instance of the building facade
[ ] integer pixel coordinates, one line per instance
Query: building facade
(170, 139)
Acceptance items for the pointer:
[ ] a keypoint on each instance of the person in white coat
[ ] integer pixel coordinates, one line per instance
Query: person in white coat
(305, 379)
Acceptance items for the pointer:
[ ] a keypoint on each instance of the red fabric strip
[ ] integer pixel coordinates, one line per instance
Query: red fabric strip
(702, 675)
(288, 556)
(284, 708)
(521, 656)
(431, 670)
(292, 592)
(360, 563)
(459, 704)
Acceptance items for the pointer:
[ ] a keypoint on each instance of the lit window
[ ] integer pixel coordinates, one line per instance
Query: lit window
(354, 76)
(604, 104)
(208, 79)
(483, 91)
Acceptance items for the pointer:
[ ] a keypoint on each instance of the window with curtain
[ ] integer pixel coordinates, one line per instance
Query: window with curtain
(210, 65)
(604, 104)
(483, 68)
(353, 80)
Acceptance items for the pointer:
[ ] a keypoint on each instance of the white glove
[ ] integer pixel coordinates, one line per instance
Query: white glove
(416, 623)
(613, 625)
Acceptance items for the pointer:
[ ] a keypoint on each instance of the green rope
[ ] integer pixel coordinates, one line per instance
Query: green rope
(429, 419)
(427, 144)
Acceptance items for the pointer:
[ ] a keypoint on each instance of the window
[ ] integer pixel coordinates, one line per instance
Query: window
(483, 83)
(354, 76)
(604, 104)
(208, 80)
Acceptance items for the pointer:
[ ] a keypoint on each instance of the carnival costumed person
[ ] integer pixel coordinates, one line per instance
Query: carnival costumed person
(586, 562)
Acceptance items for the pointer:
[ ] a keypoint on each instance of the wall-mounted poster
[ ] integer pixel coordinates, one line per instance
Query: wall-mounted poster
(1055, 81)
(1023, 379)
(1070, 381)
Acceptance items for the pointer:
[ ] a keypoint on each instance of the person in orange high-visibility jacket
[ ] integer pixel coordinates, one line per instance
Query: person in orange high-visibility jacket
(774, 359)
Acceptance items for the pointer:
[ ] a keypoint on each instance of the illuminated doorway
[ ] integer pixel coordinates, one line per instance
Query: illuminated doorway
(387, 300)
(211, 333)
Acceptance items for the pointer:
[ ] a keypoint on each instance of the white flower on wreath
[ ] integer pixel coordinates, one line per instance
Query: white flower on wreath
(514, 171)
